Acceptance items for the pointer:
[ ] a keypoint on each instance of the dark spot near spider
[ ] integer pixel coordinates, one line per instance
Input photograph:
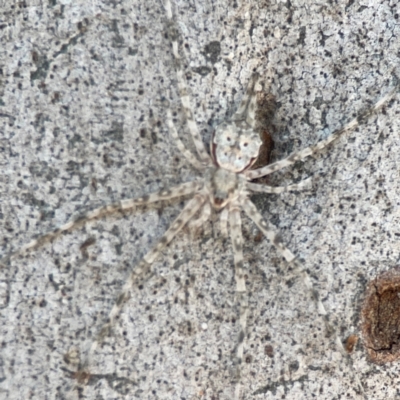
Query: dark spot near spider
(269, 350)
(132, 51)
(121, 298)
(42, 303)
(81, 376)
(142, 132)
(154, 137)
(212, 51)
(294, 366)
(248, 359)
(55, 97)
(381, 317)
(115, 133)
(277, 241)
(302, 36)
(239, 264)
(88, 242)
(351, 343)
(202, 70)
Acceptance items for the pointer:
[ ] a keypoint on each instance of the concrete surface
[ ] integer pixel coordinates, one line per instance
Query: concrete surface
(84, 86)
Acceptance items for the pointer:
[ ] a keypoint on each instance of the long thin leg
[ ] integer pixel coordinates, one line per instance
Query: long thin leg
(223, 219)
(251, 210)
(183, 93)
(266, 228)
(248, 105)
(181, 147)
(299, 155)
(202, 218)
(140, 272)
(235, 223)
(254, 187)
(122, 205)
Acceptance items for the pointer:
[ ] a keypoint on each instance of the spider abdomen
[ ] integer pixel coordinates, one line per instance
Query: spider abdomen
(235, 145)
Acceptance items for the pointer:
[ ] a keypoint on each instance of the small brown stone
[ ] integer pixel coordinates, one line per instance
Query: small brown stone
(269, 351)
(381, 317)
(351, 343)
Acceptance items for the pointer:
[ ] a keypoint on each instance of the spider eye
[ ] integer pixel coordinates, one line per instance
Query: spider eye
(245, 144)
(228, 138)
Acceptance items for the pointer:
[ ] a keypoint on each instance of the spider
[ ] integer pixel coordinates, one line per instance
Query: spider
(225, 187)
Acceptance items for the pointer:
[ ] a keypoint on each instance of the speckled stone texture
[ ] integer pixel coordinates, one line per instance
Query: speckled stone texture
(84, 87)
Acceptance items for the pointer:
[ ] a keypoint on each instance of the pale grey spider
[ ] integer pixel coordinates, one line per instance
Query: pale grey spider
(224, 186)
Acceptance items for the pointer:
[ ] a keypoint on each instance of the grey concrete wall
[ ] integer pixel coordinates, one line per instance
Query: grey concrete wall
(84, 86)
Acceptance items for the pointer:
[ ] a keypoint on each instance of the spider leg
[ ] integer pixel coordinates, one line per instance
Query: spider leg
(299, 155)
(251, 210)
(235, 223)
(248, 105)
(122, 205)
(202, 218)
(142, 270)
(183, 92)
(266, 228)
(330, 329)
(302, 185)
(223, 219)
(181, 147)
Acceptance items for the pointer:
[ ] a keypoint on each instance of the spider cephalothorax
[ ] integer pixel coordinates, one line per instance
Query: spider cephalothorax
(222, 186)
